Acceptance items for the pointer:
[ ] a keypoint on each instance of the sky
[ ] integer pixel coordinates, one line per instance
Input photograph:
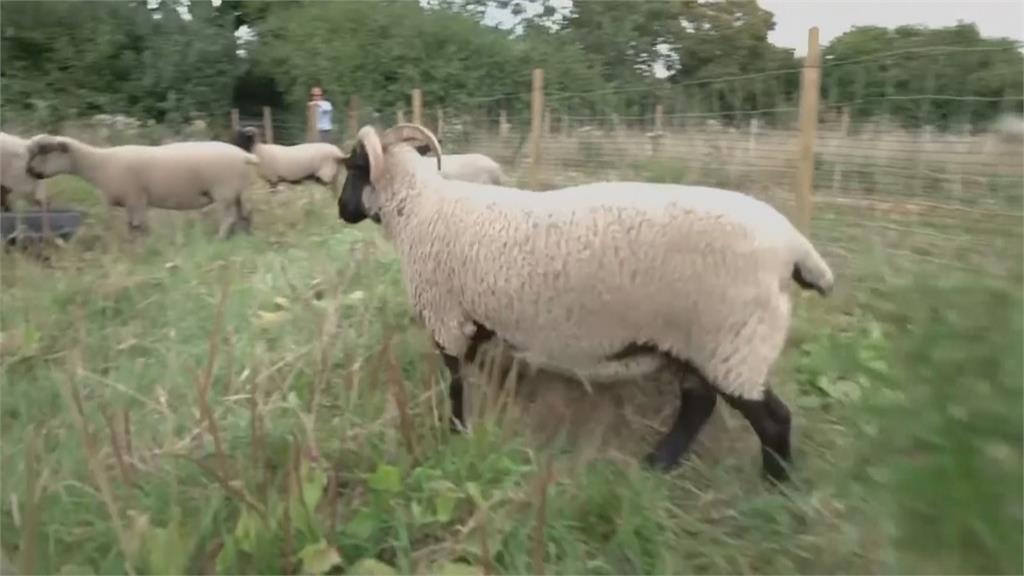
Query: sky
(793, 18)
(833, 17)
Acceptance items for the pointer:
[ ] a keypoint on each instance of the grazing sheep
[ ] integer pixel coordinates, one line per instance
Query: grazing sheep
(176, 176)
(473, 167)
(320, 161)
(15, 181)
(624, 275)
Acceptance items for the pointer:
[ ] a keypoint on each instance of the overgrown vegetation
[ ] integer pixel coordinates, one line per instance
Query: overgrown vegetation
(266, 405)
(66, 60)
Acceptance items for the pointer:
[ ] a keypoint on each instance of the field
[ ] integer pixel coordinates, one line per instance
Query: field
(268, 404)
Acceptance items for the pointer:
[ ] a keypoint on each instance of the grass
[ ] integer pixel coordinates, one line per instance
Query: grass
(268, 405)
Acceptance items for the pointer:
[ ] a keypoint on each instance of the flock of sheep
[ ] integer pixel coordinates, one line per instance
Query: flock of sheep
(602, 281)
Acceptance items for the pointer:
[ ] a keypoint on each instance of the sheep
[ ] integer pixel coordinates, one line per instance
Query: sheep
(467, 167)
(633, 276)
(320, 161)
(15, 181)
(176, 176)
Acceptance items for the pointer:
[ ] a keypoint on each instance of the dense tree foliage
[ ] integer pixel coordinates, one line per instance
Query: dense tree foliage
(66, 59)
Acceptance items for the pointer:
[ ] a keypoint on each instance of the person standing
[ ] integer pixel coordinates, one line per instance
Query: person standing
(324, 114)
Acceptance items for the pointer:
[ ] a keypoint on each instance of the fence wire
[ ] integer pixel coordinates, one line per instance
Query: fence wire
(924, 175)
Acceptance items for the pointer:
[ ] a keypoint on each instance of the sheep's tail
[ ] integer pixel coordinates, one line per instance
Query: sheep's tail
(810, 271)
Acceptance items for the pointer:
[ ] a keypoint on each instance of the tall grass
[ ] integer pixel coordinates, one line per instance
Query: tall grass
(268, 405)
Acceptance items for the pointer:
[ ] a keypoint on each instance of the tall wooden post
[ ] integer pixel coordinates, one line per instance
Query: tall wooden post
(311, 135)
(234, 120)
(400, 116)
(536, 119)
(658, 134)
(268, 125)
(440, 122)
(417, 106)
(353, 117)
(810, 87)
(503, 123)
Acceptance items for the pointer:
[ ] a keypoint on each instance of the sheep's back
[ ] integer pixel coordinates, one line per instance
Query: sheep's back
(579, 279)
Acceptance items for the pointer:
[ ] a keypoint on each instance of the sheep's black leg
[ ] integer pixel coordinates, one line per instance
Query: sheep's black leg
(771, 421)
(456, 422)
(697, 402)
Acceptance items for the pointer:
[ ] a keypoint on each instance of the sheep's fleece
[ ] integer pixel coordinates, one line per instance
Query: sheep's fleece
(293, 164)
(573, 277)
(176, 176)
(14, 178)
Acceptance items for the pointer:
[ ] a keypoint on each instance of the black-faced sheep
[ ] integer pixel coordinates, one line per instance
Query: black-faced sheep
(623, 275)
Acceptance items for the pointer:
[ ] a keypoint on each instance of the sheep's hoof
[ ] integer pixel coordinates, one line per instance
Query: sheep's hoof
(659, 461)
(775, 472)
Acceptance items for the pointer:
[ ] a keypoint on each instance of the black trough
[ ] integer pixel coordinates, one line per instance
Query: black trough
(29, 225)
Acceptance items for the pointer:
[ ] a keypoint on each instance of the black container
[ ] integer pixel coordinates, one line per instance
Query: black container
(28, 225)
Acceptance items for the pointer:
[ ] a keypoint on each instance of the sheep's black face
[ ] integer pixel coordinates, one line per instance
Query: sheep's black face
(245, 140)
(350, 203)
(47, 157)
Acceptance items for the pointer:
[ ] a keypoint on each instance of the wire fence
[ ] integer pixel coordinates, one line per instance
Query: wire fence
(905, 171)
(899, 180)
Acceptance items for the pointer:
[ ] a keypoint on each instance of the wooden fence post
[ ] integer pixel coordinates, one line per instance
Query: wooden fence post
(268, 125)
(417, 106)
(536, 119)
(440, 122)
(503, 123)
(400, 116)
(353, 117)
(311, 122)
(234, 121)
(810, 86)
(658, 134)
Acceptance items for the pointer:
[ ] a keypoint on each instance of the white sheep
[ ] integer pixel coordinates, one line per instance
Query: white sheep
(320, 161)
(628, 275)
(470, 167)
(176, 176)
(15, 181)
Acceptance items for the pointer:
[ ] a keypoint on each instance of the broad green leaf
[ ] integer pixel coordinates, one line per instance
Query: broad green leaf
(313, 481)
(247, 530)
(362, 525)
(386, 479)
(444, 505)
(371, 567)
(227, 559)
(318, 558)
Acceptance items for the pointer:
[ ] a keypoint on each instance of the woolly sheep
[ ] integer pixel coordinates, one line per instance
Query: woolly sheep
(15, 181)
(646, 276)
(320, 161)
(176, 176)
(467, 167)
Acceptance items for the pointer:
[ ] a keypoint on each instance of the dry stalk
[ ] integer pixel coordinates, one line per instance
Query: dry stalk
(231, 489)
(30, 528)
(541, 497)
(126, 428)
(74, 400)
(401, 397)
(115, 444)
(204, 382)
